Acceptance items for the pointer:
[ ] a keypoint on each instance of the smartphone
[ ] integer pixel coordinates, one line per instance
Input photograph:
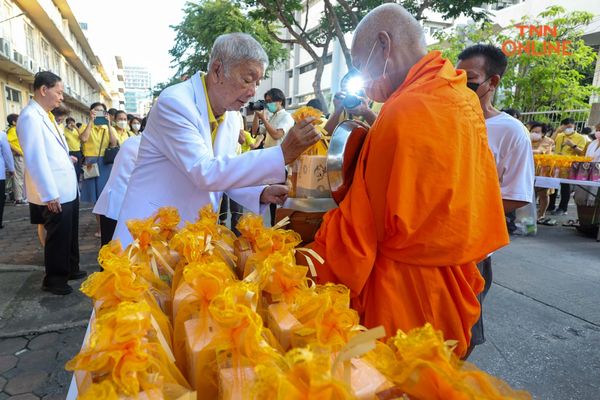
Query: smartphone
(100, 118)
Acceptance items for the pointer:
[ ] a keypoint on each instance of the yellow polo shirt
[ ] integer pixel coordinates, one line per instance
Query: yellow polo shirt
(90, 148)
(249, 141)
(72, 136)
(121, 136)
(212, 120)
(561, 148)
(13, 140)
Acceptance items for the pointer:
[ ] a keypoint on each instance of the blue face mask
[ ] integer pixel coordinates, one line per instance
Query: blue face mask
(272, 107)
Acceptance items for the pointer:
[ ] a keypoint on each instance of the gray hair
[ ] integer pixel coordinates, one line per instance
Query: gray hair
(236, 48)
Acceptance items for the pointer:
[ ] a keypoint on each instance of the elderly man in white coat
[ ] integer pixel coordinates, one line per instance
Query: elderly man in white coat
(51, 183)
(187, 157)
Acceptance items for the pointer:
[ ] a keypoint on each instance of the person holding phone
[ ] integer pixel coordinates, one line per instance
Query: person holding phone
(96, 137)
(351, 103)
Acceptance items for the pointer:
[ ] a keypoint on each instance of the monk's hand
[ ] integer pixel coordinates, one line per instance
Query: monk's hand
(274, 194)
(302, 135)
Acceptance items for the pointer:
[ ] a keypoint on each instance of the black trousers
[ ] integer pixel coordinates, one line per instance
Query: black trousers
(107, 229)
(272, 211)
(61, 252)
(236, 209)
(485, 269)
(565, 196)
(2, 198)
(79, 156)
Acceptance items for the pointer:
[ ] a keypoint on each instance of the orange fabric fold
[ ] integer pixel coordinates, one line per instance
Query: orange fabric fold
(424, 207)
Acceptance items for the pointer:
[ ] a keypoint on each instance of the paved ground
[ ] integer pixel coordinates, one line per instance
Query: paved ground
(39, 332)
(542, 314)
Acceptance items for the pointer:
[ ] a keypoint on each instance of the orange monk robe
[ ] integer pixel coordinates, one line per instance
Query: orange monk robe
(424, 207)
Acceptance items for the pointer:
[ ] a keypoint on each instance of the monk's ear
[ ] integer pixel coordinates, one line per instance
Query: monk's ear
(385, 41)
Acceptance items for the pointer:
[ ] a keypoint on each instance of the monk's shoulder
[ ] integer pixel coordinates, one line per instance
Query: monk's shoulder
(444, 103)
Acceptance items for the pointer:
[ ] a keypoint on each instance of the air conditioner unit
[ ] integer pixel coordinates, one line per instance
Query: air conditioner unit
(5, 47)
(35, 67)
(18, 57)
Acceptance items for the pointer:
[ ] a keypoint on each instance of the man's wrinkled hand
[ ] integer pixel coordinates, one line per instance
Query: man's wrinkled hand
(274, 194)
(302, 135)
(54, 206)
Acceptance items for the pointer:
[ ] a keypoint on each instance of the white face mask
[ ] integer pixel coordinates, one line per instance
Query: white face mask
(377, 89)
(122, 124)
(536, 136)
(136, 127)
(568, 131)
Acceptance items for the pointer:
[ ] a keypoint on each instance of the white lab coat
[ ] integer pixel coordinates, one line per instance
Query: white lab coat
(6, 157)
(49, 171)
(110, 200)
(178, 166)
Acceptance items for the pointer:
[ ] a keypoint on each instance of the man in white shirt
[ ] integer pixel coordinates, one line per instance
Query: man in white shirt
(275, 128)
(51, 183)
(508, 140)
(187, 157)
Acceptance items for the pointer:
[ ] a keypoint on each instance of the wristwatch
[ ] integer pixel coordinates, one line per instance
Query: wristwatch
(574, 146)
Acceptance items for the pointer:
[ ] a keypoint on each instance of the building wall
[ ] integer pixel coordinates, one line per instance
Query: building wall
(25, 49)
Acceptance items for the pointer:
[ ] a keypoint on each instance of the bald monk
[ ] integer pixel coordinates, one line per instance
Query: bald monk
(423, 208)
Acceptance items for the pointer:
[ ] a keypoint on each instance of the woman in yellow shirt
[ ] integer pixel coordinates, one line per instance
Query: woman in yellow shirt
(95, 139)
(135, 124)
(122, 131)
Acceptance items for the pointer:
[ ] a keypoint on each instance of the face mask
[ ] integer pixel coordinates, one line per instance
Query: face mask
(272, 107)
(379, 91)
(536, 136)
(474, 85)
(569, 131)
(136, 127)
(122, 124)
(597, 134)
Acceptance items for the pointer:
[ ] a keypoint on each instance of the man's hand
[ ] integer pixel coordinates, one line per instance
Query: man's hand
(260, 115)
(92, 117)
(276, 194)
(569, 143)
(73, 159)
(54, 206)
(299, 138)
(337, 101)
(363, 110)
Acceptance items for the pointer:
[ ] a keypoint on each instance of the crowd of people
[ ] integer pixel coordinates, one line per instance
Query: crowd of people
(413, 237)
(48, 156)
(563, 140)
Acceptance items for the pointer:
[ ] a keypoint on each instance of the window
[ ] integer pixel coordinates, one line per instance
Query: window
(45, 55)
(6, 27)
(56, 63)
(13, 94)
(29, 41)
(313, 65)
